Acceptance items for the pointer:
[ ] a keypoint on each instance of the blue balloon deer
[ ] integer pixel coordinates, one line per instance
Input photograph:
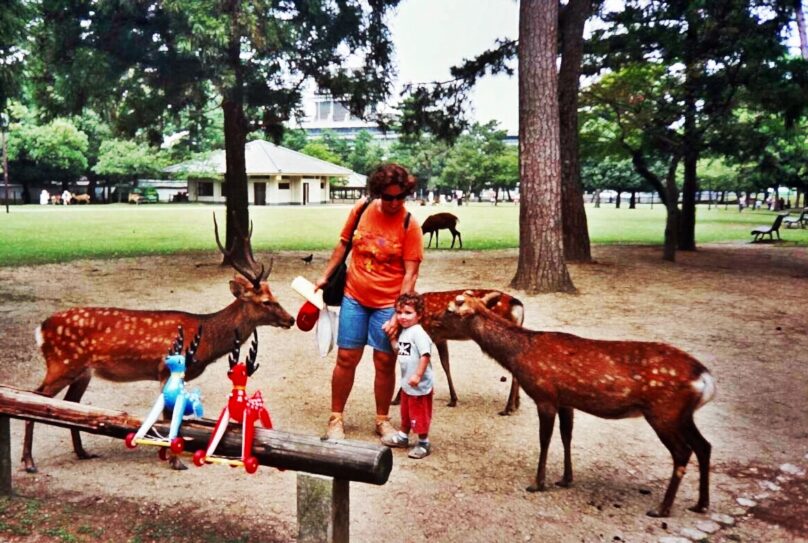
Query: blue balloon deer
(174, 398)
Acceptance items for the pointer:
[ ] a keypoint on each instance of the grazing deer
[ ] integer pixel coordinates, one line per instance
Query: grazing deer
(81, 198)
(441, 328)
(129, 345)
(439, 221)
(608, 379)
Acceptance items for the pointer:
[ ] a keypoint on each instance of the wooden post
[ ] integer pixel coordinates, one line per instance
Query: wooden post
(5, 456)
(323, 509)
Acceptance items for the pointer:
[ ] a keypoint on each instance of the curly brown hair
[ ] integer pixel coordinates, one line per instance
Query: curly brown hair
(412, 299)
(390, 174)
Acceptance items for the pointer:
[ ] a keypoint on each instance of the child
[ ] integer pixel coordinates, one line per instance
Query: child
(414, 348)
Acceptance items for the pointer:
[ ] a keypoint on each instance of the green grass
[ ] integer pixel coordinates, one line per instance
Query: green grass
(33, 234)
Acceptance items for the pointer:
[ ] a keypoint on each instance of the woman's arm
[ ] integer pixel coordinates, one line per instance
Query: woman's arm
(410, 275)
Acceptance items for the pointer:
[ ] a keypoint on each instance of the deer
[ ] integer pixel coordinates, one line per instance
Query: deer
(609, 379)
(439, 221)
(81, 198)
(123, 345)
(441, 329)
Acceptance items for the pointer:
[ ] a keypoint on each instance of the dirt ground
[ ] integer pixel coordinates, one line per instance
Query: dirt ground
(740, 309)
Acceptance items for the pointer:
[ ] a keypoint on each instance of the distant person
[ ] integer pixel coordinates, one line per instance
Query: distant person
(414, 348)
(44, 197)
(66, 197)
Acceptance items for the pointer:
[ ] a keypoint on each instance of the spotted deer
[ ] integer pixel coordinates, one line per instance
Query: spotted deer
(440, 221)
(608, 379)
(441, 329)
(130, 345)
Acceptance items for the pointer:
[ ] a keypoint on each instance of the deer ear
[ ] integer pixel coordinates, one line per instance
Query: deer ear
(238, 286)
(491, 299)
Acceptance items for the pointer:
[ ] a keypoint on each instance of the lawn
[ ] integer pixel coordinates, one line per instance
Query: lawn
(36, 234)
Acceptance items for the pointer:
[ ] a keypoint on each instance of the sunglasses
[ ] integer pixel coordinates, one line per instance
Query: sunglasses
(390, 197)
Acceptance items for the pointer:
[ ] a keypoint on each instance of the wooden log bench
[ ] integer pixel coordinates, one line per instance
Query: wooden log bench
(323, 505)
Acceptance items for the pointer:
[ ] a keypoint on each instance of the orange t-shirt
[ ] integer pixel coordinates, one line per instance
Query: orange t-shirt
(380, 247)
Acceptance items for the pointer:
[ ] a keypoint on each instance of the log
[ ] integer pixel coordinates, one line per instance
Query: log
(344, 459)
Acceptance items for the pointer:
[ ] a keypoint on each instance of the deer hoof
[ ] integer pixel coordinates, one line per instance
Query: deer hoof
(698, 508)
(31, 469)
(84, 455)
(176, 463)
(507, 412)
(564, 483)
(537, 487)
(452, 403)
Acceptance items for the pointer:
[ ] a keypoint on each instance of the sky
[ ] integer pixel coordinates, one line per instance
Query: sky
(432, 35)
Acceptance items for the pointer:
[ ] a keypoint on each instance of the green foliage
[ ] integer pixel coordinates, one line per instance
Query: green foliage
(14, 16)
(294, 139)
(612, 173)
(321, 151)
(124, 159)
(478, 159)
(53, 151)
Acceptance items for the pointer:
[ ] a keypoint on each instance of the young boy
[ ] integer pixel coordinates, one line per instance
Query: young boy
(414, 349)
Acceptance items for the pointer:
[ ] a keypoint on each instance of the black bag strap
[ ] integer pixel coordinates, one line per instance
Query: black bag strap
(407, 221)
(353, 230)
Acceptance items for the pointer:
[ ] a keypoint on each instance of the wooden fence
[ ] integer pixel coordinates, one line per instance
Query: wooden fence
(323, 505)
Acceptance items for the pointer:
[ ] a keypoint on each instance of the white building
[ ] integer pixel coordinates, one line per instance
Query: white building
(275, 176)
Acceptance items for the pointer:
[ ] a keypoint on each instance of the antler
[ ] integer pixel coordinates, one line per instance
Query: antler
(233, 359)
(252, 367)
(255, 271)
(189, 354)
(176, 347)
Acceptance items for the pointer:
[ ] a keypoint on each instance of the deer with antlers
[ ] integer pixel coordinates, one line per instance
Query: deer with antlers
(441, 328)
(240, 408)
(129, 345)
(608, 379)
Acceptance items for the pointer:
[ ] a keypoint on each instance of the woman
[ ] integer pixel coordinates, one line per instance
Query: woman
(387, 251)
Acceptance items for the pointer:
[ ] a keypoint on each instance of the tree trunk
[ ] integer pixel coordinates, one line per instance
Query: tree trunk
(541, 266)
(235, 138)
(800, 16)
(573, 214)
(673, 214)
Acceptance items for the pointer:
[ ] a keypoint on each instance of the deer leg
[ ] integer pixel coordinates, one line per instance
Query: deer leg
(675, 442)
(456, 234)
(443, 353)
(428, 245)
(512, 405)
(565, 415)
(702, 448)
(74, 393)
(48, 389)
(547, 415)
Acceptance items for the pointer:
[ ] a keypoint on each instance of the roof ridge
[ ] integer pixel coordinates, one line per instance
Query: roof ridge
(304, 155)
(266, 153)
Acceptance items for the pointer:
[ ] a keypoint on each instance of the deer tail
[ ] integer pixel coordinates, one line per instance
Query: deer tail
(704, 385)
(38, 336)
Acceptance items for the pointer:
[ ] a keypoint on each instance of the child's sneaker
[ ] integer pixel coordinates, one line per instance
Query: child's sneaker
(420, 451)
(395, 440)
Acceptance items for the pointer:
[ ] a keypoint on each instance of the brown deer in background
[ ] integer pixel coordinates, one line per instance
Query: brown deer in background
(608, 379)
(439, 221)
(130, 345)
(441, 328)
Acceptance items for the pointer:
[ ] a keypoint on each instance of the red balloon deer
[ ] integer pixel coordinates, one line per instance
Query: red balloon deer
(608, 379)
(441, 328)
(440, 221)
(129, 345)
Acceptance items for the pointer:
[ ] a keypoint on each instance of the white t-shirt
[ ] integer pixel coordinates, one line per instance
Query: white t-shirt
(413, 343)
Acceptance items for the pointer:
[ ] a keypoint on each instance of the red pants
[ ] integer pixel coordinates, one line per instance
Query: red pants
(416, 413)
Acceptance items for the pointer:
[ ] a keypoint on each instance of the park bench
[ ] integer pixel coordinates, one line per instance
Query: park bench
(322, 499)
(761, 231)
(800, 220)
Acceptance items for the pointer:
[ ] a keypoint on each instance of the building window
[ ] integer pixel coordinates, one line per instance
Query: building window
(322, 185)
(204, 188)
(340, 112)
(283, 186)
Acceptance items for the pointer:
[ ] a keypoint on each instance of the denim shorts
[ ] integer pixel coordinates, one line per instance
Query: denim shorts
(360, 326)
